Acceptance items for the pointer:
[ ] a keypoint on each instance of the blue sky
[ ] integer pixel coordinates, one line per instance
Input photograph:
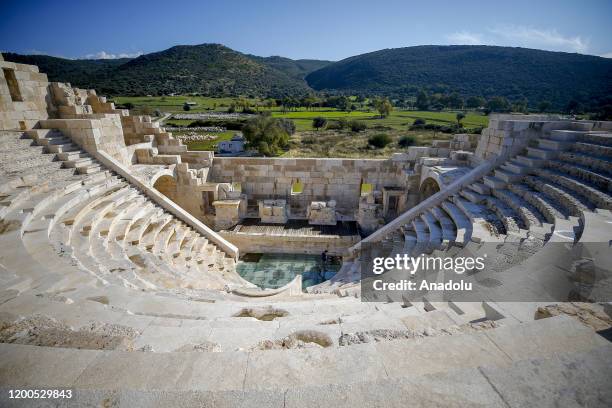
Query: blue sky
(299, 29)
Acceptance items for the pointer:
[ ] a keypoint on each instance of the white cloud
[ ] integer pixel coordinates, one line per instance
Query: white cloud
(606, 55)
(537, 38)
(465, 38)
(106, 55)
(522, 36)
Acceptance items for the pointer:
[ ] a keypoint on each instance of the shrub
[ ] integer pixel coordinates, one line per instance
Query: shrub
(357, 126)
(186, 107)
(379, 140)
(287, 124)
(407, 140)
(319, 122)
(266, 134)
(419, 122)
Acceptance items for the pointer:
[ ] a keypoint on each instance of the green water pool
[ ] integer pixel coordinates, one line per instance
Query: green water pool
(276, 270)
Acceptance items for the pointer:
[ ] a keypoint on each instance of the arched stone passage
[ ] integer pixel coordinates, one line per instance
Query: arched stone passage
(429, 187)
(167, 186)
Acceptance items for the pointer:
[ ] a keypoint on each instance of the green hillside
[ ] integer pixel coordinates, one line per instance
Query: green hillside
(514, 73)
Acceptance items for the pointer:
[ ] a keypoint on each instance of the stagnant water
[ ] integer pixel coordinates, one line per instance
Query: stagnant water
(276, 270)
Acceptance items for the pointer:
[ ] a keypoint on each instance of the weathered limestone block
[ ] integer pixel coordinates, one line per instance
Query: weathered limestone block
(273, 211)
(322, 213)
(368, 213)
(229, 212)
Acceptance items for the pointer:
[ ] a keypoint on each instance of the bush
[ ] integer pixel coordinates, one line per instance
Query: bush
(186, 107)
(379, 140)
(419, 122)
(319, 122)
(266, 134)
(406, 141)
(287, 124)
(357, 126)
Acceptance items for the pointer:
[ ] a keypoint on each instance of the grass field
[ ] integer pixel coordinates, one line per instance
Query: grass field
(399, 119)
(354, 145)
(308, 142)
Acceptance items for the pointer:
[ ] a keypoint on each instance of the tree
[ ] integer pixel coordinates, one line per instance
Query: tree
(186, 107)
(460, 116)
(383, 106)
(319, 122)
(422, 101)
(266, 134)
(379, 140)
(454, 101)
(475, 102)
(406, 141)
(357, 126)
(498, 104)
(572, 107)
(543, 106)
(520, 106)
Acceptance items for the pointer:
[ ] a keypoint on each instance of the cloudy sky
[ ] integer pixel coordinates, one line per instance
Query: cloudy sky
(299, 29)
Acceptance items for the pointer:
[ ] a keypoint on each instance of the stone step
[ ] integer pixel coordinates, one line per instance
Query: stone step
(492, 353)
(78, 162)
(68, 156)
(553, 144)
(593, 149)
(473, 196)
(463, 225)
(53, 141)
(541, 153)
(494, 182)
(530, 161)
(447, 224)
(516, 168)
(435, 231)
(566, 135)
(88, 168)
(598, 198)
(600, 181)
(481, 188)
(507, 176)
(570, 202)
(531, 216)
(598, 138)
(545, 204)
(596, 163)
(61, 148)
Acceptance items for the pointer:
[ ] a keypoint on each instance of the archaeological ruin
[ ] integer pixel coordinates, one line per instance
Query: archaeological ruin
(126, 273)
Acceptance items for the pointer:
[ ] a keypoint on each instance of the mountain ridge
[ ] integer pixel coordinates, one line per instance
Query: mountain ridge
(470, 70)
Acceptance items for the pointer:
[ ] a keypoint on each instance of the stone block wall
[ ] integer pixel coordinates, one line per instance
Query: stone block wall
(24, 96)
(98, 132)
(322, 179)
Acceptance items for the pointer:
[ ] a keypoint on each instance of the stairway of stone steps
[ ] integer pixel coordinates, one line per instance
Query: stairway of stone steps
(86, 213)
(524, 200)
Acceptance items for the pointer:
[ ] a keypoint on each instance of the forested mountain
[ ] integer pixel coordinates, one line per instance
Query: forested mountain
(209, 69)
(517, 74)
(470, 70)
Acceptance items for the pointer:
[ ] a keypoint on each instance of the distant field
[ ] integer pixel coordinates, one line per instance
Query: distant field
(175, 103)
(208, 144)
(399, 119)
